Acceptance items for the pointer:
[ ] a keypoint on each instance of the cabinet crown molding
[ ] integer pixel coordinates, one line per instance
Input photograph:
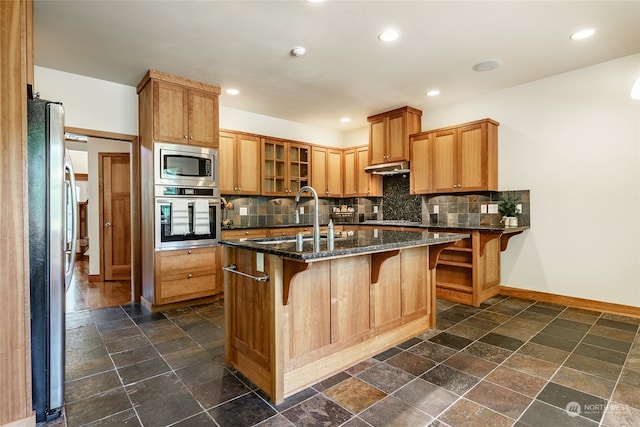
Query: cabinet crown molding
(159, 75)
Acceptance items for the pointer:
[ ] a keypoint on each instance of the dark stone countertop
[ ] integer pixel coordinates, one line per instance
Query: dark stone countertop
(346, 243)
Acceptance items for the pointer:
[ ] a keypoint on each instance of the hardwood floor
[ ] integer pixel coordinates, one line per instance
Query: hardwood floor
(85, 295)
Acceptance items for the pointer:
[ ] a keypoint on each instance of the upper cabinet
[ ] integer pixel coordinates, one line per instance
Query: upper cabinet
(239, 163)
(184, 111)
(389, 134)
(358, 183)
(326, 171)
(286, 167)
(459, 158)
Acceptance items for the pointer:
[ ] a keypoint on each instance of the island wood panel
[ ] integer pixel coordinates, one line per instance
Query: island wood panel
(349, 297)
(310, 310)
(416, 284)
(386, 295)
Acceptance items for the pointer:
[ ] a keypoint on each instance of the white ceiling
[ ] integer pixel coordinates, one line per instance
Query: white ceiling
(346, 71)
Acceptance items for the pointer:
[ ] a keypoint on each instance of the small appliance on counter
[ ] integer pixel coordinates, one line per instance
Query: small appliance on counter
(343, 214)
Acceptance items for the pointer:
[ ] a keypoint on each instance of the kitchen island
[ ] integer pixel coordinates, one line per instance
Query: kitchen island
(296, 317)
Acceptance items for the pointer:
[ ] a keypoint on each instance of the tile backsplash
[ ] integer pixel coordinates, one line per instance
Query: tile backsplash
(463, 209)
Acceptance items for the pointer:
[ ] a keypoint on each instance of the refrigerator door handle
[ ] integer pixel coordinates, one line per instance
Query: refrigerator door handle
(71, 189)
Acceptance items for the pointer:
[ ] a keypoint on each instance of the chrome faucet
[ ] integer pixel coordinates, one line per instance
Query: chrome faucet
(316, 216)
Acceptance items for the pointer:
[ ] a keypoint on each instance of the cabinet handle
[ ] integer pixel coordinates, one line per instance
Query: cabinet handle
(189, 275)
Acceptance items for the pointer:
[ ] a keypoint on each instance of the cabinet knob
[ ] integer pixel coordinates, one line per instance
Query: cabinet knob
(189, 275)
(186, 137)
(246, 232)
(190, 137)
(189, 251)
(239, 189)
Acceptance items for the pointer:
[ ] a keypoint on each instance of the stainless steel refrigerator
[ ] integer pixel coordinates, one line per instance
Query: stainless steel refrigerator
(52, 240)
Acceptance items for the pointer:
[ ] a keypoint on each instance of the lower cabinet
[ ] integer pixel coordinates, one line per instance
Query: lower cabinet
(469, 271)
(186, 274)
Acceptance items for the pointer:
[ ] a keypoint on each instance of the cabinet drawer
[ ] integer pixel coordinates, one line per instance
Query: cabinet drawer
(241, 234)
(178, 287)
(185, 261)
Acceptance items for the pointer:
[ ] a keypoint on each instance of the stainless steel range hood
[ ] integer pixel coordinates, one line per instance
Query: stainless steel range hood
(393, 168)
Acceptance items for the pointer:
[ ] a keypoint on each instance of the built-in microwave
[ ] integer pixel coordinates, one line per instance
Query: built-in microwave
(185, 165)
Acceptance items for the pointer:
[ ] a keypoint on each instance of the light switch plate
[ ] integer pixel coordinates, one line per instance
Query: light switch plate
(436, 209)
(519, 208)
(301, 210)
(483, 208)
(243, 212)
(493, 208)
(375, 209)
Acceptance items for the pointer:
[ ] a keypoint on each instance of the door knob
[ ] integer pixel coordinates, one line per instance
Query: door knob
(107, 224)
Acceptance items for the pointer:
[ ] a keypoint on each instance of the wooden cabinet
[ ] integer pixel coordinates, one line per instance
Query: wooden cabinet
(247, 233)
(357, 182)
(286, 167)
(465, 157)
(326, 171)
(389, 134)
(186, 274)
(239, 163)
(469, 271)
(420, 163)
(183, 111)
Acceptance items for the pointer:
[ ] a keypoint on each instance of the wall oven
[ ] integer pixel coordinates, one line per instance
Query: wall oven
(185, 165)
(186, 217)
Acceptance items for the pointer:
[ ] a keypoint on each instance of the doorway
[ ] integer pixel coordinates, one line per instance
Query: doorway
(101, 277)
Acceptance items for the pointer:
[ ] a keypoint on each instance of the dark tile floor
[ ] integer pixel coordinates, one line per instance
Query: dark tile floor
(510, 362)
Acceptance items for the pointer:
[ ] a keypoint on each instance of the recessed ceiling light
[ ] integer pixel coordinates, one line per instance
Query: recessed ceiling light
(434, 92)
(345, 120)
(232, 91)
(488, 65)
(582, 34)
(314, 1)
(388, 35)
(298, 51)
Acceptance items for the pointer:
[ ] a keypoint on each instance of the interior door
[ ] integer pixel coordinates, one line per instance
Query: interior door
(116, 210)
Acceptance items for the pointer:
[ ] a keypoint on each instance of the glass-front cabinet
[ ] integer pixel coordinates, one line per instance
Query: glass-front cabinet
(286, 167)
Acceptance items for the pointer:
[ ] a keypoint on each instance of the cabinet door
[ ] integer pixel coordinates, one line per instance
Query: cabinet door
(273, 168)
(298, 170)
(170, 113)
(227, 163)
(397, 143)
(334, 173)
(203, 118)
(377, 140)
(420, 176)
(319, 171)
(443, 162)
(350, 172)
(472, 158)
(248, 164)
(367, 184)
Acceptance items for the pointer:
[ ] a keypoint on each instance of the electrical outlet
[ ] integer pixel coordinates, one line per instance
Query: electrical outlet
(301, 210)
(375, 209)
(243, 212)
(483, 208)
(493, 208)
(436, 209)
(519, 208)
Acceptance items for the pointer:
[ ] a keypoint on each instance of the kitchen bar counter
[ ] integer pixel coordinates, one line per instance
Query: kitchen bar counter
(345, 243)
(296, 318)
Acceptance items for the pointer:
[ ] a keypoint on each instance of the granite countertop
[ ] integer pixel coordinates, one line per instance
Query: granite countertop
(346, 243)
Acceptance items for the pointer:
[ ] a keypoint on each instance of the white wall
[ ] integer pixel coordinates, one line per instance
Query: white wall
(574, 141)
(90, 103)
